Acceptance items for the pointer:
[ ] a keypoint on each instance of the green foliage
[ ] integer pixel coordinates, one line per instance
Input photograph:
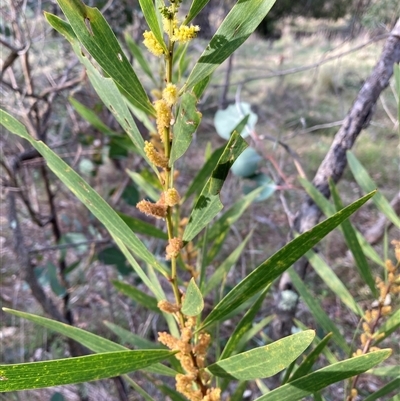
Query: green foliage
(193, 245)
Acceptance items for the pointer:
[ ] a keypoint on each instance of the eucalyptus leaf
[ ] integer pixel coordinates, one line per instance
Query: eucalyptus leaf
(226, 120)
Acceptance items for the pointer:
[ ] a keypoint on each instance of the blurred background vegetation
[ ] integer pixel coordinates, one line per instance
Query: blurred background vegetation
(68, 254)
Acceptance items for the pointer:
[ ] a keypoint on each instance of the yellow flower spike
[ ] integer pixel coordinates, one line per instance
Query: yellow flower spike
(152, 209)
(363, 339)
(374, 349)
(166, 24)
(366, 327)
(396, 245)
(167, 307)
(368, 316)
(375, 314)
(185, 33)
(152, 43)
(386, 310)
(168, 340)
(170, 94)
(154, 156)
(163, 116)
(173, 248)
(172, 197)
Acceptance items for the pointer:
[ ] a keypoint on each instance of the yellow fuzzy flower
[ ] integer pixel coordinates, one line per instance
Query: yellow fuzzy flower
(185, 33)
(167, 22)
(170, 94)
(152, 43)
(173, 248)
(154, 156)
(172, 197)
(163, 116)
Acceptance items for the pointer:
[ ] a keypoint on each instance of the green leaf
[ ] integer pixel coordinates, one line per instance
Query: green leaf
(91, 341)
(225, 266)
(149, 13)
(114, 257)
(263, 361)
(243, 327)
(273, 267)
(328, 210)
(201, 86)
(238, 25)
(365, 182)
(394, 385)
(193, 302)
(195, 8)
(255, 329)
(91, 117)
(311, 358)
(144, 185)
(141, 227)
(202, 176)
(170, 392)
(318, 313)
(26, 376)
(105, 87)
(354, 245)
(90, 198)
(187, 121)
(330, 357)
(385, 371)
(324, 377)
(138, 296)
(239, 392)
(138, 54)
(333, 282)
(130, 338)
(220, 229)
(139, 390)
(95, 34)
(208, 204)
(232, 215)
